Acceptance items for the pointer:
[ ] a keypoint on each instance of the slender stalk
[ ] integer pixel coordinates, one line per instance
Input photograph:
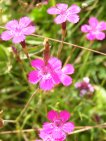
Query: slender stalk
(23, 44)
(70, 44)
(63, 27)
(69, 57)
(26, 106)
(83, 128)
(74, 45)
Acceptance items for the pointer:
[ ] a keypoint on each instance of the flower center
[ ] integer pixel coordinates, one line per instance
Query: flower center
(58, 123)
(84, 86)
(63, 12)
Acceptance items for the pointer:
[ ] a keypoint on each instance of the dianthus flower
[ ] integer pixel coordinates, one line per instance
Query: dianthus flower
(64, 13)
(94, 29)
(50, 74)
(84, 86)
(18, 30)
(58, 127)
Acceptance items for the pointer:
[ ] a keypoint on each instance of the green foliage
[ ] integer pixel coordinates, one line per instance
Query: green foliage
(15, 90)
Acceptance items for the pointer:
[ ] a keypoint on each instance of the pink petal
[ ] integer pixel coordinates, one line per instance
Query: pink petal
(11, 25)
(62, 6)
(6, 35)
(28, 30)
(68, 69)
(74, 9)
(46, 84)
(86, 79)
(60, 19)
(90, 36)
(43, 134)
(68, 127)
(33, 77)
(58, 135)
(85, 28)
(64, 115)
(93, 22)
(78, 85)
(101, 26)
(100, 35)
(55, 77)
(66, 80)
(48, 127)
(52, 115)
(18, 39)
(24, 22)
(37, 63)
(53, 10)
(55, 63)
(73, 18)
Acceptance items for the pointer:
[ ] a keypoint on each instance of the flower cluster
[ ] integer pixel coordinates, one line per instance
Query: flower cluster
(58, 127)
(64, 13)
(84, 86)
(50, 74)
(95, 29)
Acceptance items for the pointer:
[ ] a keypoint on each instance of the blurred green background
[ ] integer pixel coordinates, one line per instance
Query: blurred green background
(15, 90)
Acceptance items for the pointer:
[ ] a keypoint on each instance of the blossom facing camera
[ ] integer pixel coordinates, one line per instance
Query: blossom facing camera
(18, 30)
(58, 127)
(84, 86)
(95, 29)
(50, 74)
(64, 13)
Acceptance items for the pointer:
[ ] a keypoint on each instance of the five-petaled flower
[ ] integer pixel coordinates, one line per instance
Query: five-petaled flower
(58, 127)
(84, 86)
(50, 74)
(64, 13)
(94, 29)
(18, 30)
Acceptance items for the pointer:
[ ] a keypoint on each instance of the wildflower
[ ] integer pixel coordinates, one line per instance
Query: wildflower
(18, 30)
(94, 29)
(84, 86)
(64, 13)
(58, 127)
(50, 73)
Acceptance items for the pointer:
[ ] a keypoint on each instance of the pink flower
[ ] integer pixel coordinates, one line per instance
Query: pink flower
(84, 86)
(65, 13)
(51, 74)
(94, 29)
(58, 127)
(18, 30)
(45, 1)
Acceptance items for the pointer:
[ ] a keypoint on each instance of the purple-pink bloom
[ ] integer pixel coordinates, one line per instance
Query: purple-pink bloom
(18, 30)
(84, 86)
(64, 13)
(58, 127)
(95, 29)
(50, 74)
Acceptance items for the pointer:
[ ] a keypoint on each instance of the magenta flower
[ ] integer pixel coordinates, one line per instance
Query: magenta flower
(64, 13)
(58, 127)
(84, 86)
(94, 29)
(50, 74)
(18, 30)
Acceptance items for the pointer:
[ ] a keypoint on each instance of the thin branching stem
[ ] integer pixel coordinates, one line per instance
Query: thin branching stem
(83, 128)
(70, 44)
(26, 106)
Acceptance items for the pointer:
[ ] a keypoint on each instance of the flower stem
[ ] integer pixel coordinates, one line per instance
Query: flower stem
(26, 106)
(63, 27)
(23, 44)
(46, 52)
